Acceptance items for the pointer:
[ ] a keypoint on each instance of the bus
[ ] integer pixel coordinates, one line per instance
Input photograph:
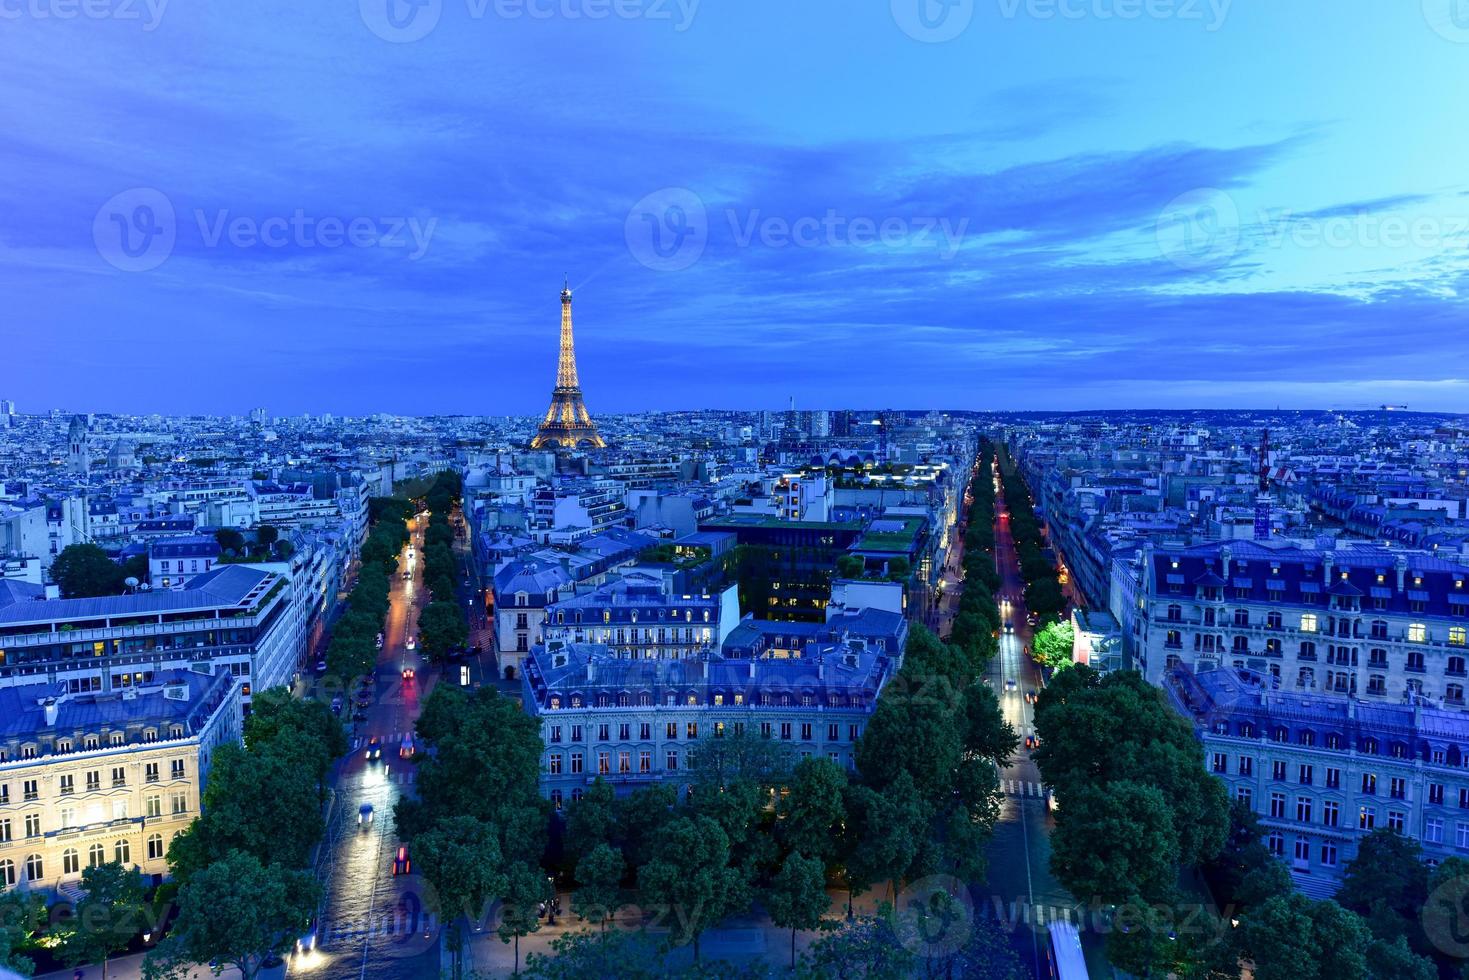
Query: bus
(1067, 962)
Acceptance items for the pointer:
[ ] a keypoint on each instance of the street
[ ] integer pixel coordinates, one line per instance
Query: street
(373, 923)
(1021, 886)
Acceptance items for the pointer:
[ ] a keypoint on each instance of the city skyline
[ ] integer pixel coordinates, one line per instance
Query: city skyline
(1156, 229)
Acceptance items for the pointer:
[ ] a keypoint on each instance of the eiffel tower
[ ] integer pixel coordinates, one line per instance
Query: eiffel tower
(567, 424)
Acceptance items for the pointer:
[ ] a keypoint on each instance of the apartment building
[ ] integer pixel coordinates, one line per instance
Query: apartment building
(637, 722)
(1351, 620)
(1322, 772)
(637, 619)
(234, 619)
(87, 778)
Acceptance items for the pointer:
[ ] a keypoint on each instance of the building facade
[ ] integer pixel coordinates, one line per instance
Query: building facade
(96, 777)
(1321, 773)
(1359, 621)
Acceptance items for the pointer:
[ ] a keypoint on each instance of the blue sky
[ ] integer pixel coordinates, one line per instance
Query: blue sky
(364, 205)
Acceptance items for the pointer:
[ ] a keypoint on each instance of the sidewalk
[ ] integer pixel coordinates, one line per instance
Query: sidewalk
(130, 967)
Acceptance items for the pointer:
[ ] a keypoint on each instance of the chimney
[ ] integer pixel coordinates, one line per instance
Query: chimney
(591, 670)
(52, 708)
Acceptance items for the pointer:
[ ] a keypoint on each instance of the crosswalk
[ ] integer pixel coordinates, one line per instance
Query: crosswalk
(386, 741)
(1023, 787)
(397, 924)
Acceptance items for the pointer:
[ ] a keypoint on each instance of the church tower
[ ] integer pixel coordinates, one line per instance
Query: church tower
(567, 424)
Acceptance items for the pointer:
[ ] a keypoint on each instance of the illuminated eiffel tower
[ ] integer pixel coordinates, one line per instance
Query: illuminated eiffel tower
(567, 424)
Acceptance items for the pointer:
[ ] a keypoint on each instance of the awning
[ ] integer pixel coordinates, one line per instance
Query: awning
(1381, 592)
(1417, 595)
(1244, 583)
(1310, 587)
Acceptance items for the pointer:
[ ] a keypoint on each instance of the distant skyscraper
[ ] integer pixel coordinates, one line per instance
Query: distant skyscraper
(567, 424)
(7, 407)
(259, 416)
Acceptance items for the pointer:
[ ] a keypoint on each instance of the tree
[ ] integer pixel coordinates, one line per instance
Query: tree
(525, 889)
(796, 898)
(1053, 645)
(851, 566)
(1387, 883)
(600, 895)
(866, 949)
(591, 820)
(811, 814)
(230, 541)
(277, 715)
(690, 873)
(21, 914)
(84, 570)
(884, 833)
(236, 911)
(586, 955)
(441, 628)
(1115, 842)
(106, 918)
(460, 858)
(267, 535)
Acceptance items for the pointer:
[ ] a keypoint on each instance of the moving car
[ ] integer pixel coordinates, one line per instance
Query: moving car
(412, 643)
(1031, 741)
(401, 864)
(364, 814)
(408, 673)
(406, 750)
(374, 748)
(336, 705)
(1010, 685)
(1009, 626)
(321, 666)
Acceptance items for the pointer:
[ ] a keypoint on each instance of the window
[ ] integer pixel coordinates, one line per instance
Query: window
(1220, 762)
(7, 873)
(1303, 809)
(1398, 788)
(624, 762)
(1303, 851)
(1276, 843)
(1244, 795)
(1277, 770)
(5, 830)
(150, 772)
(68, 787)
(1277, 805)
(119, 776)
(576, 763)
(121, 852)
(785, 730)
(153, 807)
(176, 769)
(1417, 633)
(1457, 635)
(1435, 793)
(35, 870)
(1395, 820)
(1246, 766)
(691, 730)
(1331, 813)
(1369, 784)
(672, 761)
(1328, 855)
(71, 862)
(30, 790)
(1433, 830)
(1333, 778)
(94, 781)
(553, 765)
(180, 803)
(604, 764)
(68, 817)
(33, 825)
(645, 762)
(1366, 818)
(1308, 622)
(1461, 834)
(119, 809)
(1305, 774)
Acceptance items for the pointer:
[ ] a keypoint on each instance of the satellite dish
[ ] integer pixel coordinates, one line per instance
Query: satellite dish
(131, 581)
(145, 587)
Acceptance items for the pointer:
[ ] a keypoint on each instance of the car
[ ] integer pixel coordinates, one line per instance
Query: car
(321, 666)
(412, 643)
(1031, 742)
(406, 749)
(408, 673)
(407, 575)
(401, 864)
(374, 748)
(1009, 626)
(379, 641)
(1010, 685)
(364, 699)
(336, 705)
(364, 814)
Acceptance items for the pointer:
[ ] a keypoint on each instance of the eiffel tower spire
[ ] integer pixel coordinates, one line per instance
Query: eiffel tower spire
(567, 424)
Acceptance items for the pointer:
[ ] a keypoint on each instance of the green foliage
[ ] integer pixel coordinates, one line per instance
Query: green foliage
(230, 541)
(811, 814)
(600, 895)
(796, 898)
(441, 628)
(21, 916)
(718, 762)
(236, 911)
(277, 716)
(1053, 645)
(84, 570)
(107, 917)
(460, 858)
(585, 955)
(525, 888)
(690, 871)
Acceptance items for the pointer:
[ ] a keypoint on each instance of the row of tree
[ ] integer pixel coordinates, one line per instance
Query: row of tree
(245, 891)
(977, 622)
(442, 625)
(352, 651)
(1043, 593)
